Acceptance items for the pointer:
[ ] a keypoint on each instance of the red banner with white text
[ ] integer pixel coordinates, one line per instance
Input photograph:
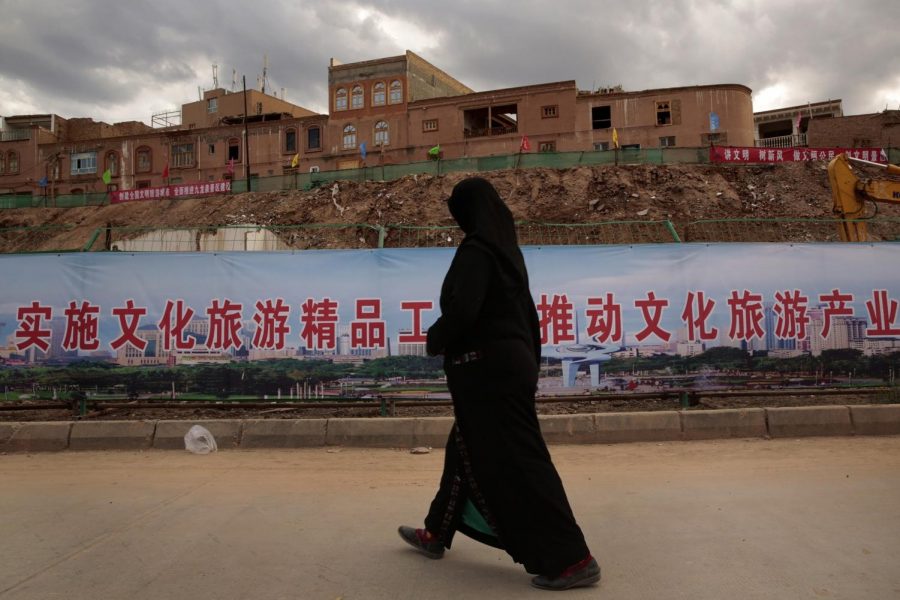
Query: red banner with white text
(180, 190)
(736, 154)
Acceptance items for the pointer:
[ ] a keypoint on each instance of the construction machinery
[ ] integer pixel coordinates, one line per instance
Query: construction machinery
(851, 192)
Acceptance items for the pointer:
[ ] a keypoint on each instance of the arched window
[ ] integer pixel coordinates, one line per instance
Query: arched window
(12, 162)
(143, 160)
(382, 134)
(290, 140)
(112, 163)
(378, 94)
(349, 136)
(396, 92)
(340, 99)
(356, 97)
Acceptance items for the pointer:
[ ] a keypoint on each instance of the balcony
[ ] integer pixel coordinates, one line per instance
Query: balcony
(490, 131)
(14, 135)
(783, 141)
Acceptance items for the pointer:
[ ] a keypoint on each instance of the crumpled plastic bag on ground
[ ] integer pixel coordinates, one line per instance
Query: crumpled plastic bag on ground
(199, 440)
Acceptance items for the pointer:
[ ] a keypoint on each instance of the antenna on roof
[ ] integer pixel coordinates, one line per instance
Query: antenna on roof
(215, 75)
(265, 68)
(233, 79)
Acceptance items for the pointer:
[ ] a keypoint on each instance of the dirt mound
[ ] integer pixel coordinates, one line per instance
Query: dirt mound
(678, 193)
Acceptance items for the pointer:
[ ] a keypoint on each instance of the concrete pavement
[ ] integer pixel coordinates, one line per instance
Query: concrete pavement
(745, 519)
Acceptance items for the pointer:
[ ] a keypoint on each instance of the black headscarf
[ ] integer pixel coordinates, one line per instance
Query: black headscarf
(486, 220)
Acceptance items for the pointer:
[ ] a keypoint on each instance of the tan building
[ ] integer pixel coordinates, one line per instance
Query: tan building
(395, 109)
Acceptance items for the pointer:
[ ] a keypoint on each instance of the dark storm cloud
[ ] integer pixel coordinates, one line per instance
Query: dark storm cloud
(92, 58)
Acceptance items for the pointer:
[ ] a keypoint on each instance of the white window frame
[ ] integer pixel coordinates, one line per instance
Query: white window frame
(83, 163)
(349, 138)
(340, 99)
(396, 92)
(379, 94)
(382, 133)
(183, 155)
(357, 97)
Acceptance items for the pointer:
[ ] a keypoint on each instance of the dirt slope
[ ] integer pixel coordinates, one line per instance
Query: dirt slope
(679, 193)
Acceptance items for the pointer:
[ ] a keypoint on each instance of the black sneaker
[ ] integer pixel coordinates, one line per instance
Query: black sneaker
(584, 576)
(416, 539)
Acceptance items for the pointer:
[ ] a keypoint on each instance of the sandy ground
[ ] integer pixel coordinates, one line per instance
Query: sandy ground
(749, 519)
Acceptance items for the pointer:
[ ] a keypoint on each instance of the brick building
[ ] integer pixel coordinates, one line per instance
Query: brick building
(878, 130)
(385, 111)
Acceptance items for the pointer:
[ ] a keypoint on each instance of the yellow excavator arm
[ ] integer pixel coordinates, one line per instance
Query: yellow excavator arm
(850, 194)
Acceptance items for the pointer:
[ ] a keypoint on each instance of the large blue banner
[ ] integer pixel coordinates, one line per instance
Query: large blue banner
(594, 301)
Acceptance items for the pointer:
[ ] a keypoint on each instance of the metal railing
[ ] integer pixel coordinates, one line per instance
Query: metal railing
(783, 141)
(291, 238)
(793, 230)
(13, 135)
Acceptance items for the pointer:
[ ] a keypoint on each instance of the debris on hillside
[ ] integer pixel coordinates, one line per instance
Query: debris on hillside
(590, 194)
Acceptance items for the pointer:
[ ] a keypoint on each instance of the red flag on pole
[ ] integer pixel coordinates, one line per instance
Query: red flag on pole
(525, 146)
(166, 171)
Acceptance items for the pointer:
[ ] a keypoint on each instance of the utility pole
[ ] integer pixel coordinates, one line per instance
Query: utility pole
(246, 138)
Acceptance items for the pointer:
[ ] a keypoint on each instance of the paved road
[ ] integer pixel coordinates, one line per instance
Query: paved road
(777, 519)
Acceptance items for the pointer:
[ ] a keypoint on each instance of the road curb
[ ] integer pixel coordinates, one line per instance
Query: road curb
(111, 435)
(802, 421)
(407, 432)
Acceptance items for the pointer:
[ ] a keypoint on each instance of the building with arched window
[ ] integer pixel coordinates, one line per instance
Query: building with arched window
(378, 93)
(382, 134)
(399, 106)
(349, 139)
(356, 97)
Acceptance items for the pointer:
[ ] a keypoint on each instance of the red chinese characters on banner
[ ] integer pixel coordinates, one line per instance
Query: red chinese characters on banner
(732, 154)
(30, 330)
(416, 307)
(173, 325)
(604, 321)
(368, 331)
(746, 316)
(129, 320)
(883, 313)
(272, 326)
(557, 319)
(836, 306)
(652, 310)
(171, 191)
(82, 326)
(224, 325)
(790, 312)
(319, 320)
(697, 309)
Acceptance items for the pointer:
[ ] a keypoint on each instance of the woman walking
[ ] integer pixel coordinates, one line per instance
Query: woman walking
(499, 485)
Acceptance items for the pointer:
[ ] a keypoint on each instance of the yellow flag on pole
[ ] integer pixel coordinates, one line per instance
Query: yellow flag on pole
(615, 138)
(295, 161)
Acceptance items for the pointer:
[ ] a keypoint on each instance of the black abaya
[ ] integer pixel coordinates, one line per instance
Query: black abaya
(496, 460)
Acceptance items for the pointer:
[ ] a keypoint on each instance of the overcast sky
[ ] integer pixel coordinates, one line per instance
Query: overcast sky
(125, 60)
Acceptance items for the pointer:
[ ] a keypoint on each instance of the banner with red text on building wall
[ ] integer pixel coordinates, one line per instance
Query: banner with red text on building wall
(735, 154)
(593, 301)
